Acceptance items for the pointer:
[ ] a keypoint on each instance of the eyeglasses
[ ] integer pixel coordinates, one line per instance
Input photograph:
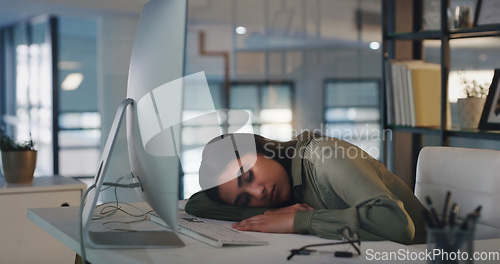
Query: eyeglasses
(348, 237)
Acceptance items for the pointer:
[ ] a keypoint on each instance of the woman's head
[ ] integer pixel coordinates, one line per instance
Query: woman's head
(247, 169)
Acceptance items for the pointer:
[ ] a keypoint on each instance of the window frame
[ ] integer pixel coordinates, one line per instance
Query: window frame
(378, 106)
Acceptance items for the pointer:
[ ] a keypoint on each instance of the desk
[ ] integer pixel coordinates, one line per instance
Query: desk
(62, 223)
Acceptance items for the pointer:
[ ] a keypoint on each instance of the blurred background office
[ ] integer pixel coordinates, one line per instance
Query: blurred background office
(293, 64)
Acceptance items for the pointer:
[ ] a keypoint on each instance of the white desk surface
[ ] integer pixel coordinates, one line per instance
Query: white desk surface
(62, 223)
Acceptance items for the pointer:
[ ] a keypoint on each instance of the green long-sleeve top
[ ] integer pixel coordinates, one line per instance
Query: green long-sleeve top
(346, 186)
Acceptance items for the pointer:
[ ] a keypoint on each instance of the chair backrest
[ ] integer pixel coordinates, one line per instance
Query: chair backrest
(472, 176)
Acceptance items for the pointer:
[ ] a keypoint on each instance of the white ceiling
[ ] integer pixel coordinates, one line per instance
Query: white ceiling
(16, 10)
(333, 15)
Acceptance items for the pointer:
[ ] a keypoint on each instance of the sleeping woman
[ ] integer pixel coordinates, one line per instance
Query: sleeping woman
(310, 185)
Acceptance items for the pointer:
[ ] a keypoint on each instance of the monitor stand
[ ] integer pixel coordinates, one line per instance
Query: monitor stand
(137, 239)
(118, 239)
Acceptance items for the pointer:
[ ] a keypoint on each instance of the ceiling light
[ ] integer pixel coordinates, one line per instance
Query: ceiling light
(241, 30)
(374, 45)
(69, 65)
(72, 81)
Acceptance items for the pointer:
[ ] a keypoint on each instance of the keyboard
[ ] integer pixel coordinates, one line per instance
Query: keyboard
(208, 232)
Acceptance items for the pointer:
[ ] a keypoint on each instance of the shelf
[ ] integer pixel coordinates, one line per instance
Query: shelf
(453, 132)
(455, 33)
(473, 133)
(430, 34)
(395, 47)
(475, 32)
(415, 130)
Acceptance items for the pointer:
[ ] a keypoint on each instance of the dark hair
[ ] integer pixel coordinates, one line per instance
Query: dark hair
(218, 154)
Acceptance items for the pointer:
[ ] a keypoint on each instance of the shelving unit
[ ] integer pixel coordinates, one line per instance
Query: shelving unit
(413, 36)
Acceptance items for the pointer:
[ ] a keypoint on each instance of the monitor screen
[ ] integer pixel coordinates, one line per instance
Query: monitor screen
(157, 60)
(156, 93)
(153, 116)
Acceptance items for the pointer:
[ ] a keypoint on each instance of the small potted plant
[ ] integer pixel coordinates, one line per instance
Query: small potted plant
(471, 107)
(18, 159)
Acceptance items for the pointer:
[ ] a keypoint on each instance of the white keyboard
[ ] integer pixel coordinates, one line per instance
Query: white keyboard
(208, 232)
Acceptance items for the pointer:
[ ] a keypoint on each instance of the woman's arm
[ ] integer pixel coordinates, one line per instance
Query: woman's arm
(377, 219)
(200, 205)
(347, 174)
(347, 191)
(326, 222)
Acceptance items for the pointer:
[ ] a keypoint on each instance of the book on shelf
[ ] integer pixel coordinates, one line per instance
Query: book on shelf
(407, 91)
(415, 88)
(396, 90)
(388, 93)
(425, 85)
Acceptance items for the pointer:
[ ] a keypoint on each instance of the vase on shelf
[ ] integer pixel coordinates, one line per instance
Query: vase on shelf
(469, 111)
(19, 166)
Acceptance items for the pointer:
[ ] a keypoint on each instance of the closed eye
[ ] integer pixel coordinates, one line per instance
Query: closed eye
(246, 178)
(249, 176)
(242, 199)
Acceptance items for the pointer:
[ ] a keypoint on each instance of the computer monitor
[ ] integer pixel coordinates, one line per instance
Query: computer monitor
(153, 116)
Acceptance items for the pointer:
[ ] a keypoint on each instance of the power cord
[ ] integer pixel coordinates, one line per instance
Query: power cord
(116, 208)
(142, 217)
(117, 184)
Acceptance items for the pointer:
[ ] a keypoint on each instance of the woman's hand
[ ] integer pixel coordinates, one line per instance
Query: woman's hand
(268, 223)
(278, 220)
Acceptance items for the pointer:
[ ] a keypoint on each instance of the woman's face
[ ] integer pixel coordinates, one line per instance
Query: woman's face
(264, 184)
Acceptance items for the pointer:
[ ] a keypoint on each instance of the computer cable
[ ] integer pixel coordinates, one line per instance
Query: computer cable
(116, 185)
(82, 204)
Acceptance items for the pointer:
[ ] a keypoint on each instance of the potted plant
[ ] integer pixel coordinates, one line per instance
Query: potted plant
(18, 159)
(471, 107)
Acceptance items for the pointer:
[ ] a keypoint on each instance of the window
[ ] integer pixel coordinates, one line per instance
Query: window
(301, 41)
(79, 121)
(49, 91)
(270, 106)
(352, 112)
(28, 97)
